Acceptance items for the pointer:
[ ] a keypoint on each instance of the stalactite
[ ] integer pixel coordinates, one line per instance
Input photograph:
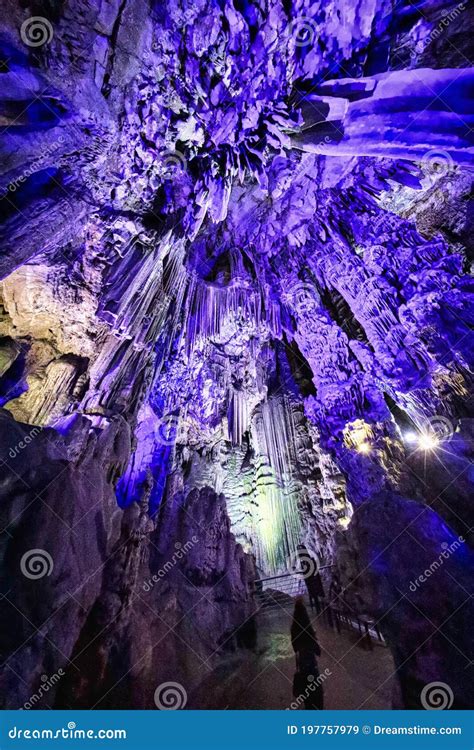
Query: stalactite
(212, 309)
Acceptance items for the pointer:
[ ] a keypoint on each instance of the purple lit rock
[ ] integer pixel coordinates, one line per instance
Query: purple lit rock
(234, 274)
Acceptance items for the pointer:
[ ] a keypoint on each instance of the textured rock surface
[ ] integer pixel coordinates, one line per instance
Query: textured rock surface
(117, 584)
(234, 250)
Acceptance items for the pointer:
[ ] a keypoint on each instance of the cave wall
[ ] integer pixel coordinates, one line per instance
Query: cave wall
(108, 599)
(229, 287)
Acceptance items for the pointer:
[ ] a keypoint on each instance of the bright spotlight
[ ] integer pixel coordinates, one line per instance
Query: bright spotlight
(410, 436)
(363, 448)
(428, 442)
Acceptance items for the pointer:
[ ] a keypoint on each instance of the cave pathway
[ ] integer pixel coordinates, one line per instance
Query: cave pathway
(359, 678)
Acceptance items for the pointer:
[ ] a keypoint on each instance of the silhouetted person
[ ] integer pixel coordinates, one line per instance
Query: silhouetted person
(335, 589)
(306, 685)
(247, 634)
(314, 584)
(336, 600)
(315, 588)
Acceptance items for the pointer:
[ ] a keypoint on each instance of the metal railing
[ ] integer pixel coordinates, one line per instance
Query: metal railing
(277, 593)
(273, 591)
(279, 579)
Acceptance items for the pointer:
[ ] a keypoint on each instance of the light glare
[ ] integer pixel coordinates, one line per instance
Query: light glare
(428, 442)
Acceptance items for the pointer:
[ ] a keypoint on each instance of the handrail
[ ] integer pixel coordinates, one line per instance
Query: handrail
(287, 575)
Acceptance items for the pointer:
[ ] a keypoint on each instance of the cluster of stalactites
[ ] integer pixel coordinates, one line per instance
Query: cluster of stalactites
(261, 491)
(216, 313)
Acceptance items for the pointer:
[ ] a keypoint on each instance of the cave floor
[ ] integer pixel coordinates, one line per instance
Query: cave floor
(263, 679)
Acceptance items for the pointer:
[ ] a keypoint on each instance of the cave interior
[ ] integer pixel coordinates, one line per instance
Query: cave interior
(236, 337)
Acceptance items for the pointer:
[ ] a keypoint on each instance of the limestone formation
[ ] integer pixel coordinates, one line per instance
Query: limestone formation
(235, 308)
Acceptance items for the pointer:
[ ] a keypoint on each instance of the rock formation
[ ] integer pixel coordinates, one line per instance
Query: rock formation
(235, 316)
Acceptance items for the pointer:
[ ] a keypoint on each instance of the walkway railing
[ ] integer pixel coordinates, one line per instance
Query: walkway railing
(276, 593)
(273, 590)
(282, 581)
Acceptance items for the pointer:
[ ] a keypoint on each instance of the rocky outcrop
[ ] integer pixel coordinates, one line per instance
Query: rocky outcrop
(234, 290)
(402, 563)
(112, 601)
